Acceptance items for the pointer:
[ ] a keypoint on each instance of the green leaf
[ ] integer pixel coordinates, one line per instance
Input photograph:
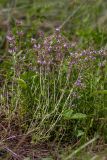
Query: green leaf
(79, 116)
(67, 114)
(80, 133)
(19, 53)
(21, 83)
(100, 92)
(27, 75)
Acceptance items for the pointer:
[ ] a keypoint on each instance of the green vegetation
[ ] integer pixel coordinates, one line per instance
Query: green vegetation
(53, 80)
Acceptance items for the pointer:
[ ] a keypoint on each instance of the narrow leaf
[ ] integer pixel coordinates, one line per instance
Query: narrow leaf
(79, 116)
(21, 83)
(67, 114)
(100, 92)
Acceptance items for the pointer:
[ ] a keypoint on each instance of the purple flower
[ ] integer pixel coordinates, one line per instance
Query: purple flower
(79, 83)
(41, 34)
(35, 46)
(10, 37)
(38, 61)
(12, 50)
(75, 95)
(93, 58)
(66, 46)
(33, 41)
(12, 43)
(57, 29)
(20, 33)
(44, 62)
(19, 23)
(39, 46)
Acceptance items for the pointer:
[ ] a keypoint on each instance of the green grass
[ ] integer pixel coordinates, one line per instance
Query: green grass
(53, 88)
